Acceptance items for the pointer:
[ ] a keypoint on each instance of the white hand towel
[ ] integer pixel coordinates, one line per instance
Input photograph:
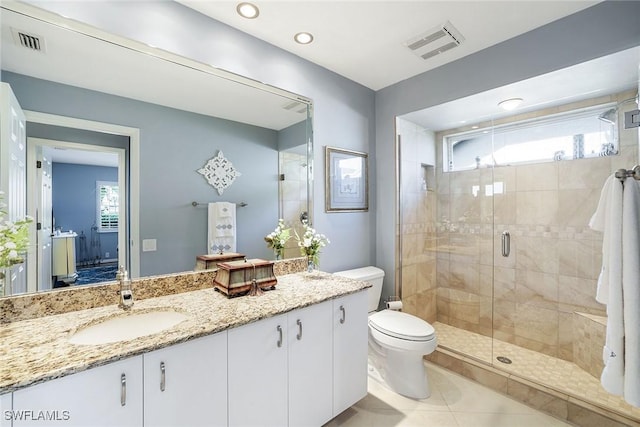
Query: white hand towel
(221, 230)
(608, 219)
(631, 290)
(226, 209)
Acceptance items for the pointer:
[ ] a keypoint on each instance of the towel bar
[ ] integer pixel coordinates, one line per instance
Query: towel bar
(622, 174)
(241, 204)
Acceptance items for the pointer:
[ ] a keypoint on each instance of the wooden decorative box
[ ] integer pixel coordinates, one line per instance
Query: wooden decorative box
(236, 277)
(207, 262)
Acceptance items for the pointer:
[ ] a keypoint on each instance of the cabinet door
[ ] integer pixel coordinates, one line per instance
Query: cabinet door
(110, 395)
(350, 341)
(5, 409)
(310, 365)
(186, 384)
(258, 373)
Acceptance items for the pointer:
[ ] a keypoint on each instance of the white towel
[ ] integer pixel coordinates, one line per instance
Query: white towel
(631, 290)
(608, 219)
(221, 228)
(617, 216)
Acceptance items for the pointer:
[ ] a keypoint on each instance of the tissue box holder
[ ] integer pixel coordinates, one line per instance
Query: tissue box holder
(236, 277)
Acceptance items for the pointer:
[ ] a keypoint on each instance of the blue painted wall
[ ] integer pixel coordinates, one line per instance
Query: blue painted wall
(74, 204)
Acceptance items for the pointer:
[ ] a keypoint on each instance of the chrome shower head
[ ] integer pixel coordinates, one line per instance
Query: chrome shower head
(609, 116)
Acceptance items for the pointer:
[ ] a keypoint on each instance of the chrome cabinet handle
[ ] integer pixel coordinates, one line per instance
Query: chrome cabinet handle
(279, 329)
(506, 243)
(123, 390)
(299, 336)
(162, 376)
(344, 314)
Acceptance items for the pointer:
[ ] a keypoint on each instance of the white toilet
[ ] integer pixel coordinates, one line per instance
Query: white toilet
(397, 341)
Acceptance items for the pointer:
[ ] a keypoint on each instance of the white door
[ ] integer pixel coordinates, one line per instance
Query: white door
(350, 344)
(310, 365)
(45, 219)
(110, 395)
(186, 384)
(258, 374)
(13, 178)
(39, 206)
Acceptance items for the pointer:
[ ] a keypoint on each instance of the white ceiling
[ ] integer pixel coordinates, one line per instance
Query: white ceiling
(365, 40)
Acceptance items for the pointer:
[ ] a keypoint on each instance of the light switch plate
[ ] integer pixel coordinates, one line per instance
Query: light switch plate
(148, 245)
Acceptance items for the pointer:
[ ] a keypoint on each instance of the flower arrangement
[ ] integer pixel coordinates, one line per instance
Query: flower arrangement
(311, 243)
(14, 238)
(278, 238)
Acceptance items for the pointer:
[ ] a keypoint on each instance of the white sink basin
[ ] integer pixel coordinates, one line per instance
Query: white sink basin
(127, 327)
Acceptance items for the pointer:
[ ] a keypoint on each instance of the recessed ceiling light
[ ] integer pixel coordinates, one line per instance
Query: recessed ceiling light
(248, 10)
(303, 38)
(510, 104)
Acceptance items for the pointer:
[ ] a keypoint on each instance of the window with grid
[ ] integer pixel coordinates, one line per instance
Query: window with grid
(108, 206)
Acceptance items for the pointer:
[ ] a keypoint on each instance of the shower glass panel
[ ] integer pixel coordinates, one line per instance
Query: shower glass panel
(466, 247)
(417, 232)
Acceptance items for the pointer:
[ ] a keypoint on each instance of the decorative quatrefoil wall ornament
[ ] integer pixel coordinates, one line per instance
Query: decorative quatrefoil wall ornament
(219, 172)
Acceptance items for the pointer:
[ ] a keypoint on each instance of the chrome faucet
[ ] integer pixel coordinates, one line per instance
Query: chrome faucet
(126, 293)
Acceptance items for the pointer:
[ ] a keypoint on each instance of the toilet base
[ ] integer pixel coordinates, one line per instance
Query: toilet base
(402, 372)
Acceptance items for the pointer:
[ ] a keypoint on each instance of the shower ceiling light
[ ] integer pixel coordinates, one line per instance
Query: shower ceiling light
(510, 104)
(303, 38)
(248, 10)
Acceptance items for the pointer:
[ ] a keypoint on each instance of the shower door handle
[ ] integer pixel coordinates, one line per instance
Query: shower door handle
(506, 244)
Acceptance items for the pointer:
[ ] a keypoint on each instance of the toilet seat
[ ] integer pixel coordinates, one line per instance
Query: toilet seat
(403, 326)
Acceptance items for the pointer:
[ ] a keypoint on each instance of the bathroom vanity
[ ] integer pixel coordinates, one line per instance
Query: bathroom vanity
(295, 356)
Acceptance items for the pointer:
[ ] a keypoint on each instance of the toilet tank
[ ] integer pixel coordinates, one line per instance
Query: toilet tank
(373, 275)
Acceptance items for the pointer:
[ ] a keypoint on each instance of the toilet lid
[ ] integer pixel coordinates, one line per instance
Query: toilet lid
(402, 325)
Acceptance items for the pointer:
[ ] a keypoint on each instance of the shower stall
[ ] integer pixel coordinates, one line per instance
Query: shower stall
(494, 249)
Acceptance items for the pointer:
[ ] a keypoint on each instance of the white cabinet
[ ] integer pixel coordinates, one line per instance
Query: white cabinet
(186, 384)
(350, 341)
(257, 390)
(310, 339)
(109, 395)
(5, 409)
(282, 369)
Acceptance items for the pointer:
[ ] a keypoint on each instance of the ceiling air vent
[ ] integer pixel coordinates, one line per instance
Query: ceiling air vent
(296, 106)
(435, 41)
(29, 41)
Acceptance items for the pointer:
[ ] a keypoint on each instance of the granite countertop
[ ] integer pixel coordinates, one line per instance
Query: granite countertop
(38, 350)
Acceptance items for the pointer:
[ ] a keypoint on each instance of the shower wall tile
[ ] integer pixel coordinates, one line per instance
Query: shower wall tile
(583, 174)
(464, 275)
(536, 207)
(537, 289)
(409, 280)
(537, 326)
(504, 283)
(566, 336)
(537, 177)
(426, 275)
(575, 208)
(537, 254)
(504, 206)
(465, 208)
(577, 294)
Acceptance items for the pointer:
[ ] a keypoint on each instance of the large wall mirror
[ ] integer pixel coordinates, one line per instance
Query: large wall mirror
(119, 131)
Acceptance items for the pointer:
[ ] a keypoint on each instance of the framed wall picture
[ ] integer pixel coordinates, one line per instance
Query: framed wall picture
(346, 181)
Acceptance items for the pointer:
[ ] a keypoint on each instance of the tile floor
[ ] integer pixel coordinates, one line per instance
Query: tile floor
(560, 375)
(455, 402)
